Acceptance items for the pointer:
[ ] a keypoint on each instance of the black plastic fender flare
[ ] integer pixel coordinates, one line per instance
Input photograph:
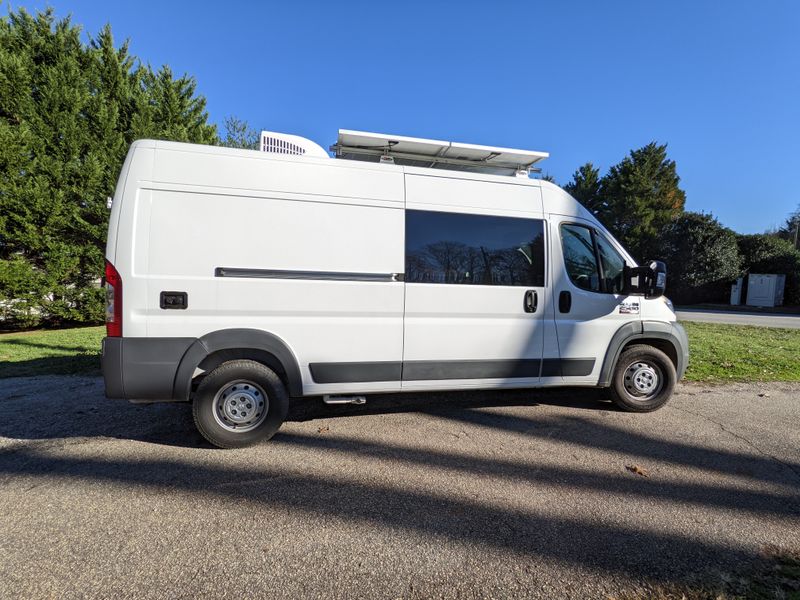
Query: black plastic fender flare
(236, 339)
(669, 331)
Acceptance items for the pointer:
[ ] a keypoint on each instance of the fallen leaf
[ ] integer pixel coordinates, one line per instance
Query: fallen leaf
(638, 470)
(325, 429)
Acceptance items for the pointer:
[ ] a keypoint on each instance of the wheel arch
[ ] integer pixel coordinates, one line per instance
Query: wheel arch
(217, 347)
(668, 337)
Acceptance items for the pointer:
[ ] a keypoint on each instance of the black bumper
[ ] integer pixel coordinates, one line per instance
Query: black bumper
(142, 368)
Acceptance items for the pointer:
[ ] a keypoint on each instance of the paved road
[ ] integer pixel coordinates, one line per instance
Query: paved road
(512, 494)
(739, 318)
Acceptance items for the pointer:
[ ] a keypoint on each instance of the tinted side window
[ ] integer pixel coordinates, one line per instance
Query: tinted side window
(579, 257)
(613, 265)
(473, 249)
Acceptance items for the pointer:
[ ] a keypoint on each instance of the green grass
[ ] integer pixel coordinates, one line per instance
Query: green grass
(57, 352)
(718, 352)
(742, 353)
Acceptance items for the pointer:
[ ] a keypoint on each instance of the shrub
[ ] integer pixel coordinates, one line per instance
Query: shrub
(702, 258)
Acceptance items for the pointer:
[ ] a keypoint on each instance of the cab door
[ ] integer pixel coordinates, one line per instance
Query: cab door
(475, 284)
(589, 305)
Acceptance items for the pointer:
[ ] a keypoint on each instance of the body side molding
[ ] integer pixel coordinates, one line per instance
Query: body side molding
(355, 372)
(308, 275)
(435, 370)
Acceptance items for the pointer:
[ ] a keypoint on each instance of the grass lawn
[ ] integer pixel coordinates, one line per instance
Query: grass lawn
(742, 353)
(57, 351)
(718, 352)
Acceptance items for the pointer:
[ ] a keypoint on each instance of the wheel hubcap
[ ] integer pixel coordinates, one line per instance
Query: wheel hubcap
(241, 406)
(642, 379)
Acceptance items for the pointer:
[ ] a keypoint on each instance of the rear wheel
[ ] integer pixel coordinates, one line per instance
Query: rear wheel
(240, 403)
(644, 379)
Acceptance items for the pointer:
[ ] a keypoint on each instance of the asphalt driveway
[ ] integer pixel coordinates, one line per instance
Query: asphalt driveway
(501, 494)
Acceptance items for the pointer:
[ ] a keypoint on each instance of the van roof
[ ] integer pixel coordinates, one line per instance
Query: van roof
(482, 175)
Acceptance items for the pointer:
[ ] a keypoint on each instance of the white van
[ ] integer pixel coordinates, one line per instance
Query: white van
(237, 279)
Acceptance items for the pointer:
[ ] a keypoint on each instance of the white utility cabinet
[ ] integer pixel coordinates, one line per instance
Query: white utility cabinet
(765, 290)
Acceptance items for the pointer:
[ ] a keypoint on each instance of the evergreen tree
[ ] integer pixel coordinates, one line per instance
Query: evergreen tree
(639, 197)
(791, 229)
(68, 113)
(585, 188)
(239, 134)
(169, 109)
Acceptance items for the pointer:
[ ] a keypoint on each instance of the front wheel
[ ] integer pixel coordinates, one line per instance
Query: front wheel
(644, 379)
(239, 403)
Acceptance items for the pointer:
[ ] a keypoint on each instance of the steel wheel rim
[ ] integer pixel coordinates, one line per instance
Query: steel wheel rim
(643, 380)
(240, 406)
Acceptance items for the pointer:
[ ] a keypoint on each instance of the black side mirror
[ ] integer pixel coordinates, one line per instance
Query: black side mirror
(659, 284)
(649, 281)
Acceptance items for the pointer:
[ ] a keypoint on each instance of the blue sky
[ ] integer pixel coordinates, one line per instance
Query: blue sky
(719, 81)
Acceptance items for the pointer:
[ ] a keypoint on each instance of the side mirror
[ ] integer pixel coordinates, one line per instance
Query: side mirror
(649, 281)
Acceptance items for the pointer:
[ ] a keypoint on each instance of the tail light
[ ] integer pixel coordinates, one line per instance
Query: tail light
(113, 302)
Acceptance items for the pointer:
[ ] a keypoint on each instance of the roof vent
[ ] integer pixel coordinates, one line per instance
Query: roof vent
(294, 145)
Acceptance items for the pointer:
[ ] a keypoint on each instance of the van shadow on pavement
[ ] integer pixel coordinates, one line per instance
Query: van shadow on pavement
(67, 407)
(70, 407)
(75, 407)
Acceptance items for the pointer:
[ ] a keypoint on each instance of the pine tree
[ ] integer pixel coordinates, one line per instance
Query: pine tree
(585, 188)
(791, 229)
(68, 113)
(239, 134)
(639, 197)
(169, 109)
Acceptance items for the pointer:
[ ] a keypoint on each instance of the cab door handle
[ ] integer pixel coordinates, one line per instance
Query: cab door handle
(564, 302)
(531, 301)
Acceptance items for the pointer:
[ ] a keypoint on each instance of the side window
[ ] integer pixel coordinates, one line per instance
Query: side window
(612, 265)
(579, 257)
(469, 249)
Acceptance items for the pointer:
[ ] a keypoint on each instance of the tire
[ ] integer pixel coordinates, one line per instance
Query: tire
(644, 379)
(227, 402)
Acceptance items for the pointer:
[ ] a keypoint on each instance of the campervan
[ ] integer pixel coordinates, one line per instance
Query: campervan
(239, 279)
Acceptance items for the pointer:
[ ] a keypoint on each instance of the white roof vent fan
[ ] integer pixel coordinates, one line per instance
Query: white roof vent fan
(284, 143)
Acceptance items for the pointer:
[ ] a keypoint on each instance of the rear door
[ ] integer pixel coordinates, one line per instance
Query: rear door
(475, 282)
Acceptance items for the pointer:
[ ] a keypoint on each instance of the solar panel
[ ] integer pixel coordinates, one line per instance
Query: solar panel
(418, 152)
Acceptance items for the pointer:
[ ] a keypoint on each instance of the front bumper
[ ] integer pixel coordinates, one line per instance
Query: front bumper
(683, 347)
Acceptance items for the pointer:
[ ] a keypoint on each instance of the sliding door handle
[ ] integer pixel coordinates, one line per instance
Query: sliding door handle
(531, 301)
